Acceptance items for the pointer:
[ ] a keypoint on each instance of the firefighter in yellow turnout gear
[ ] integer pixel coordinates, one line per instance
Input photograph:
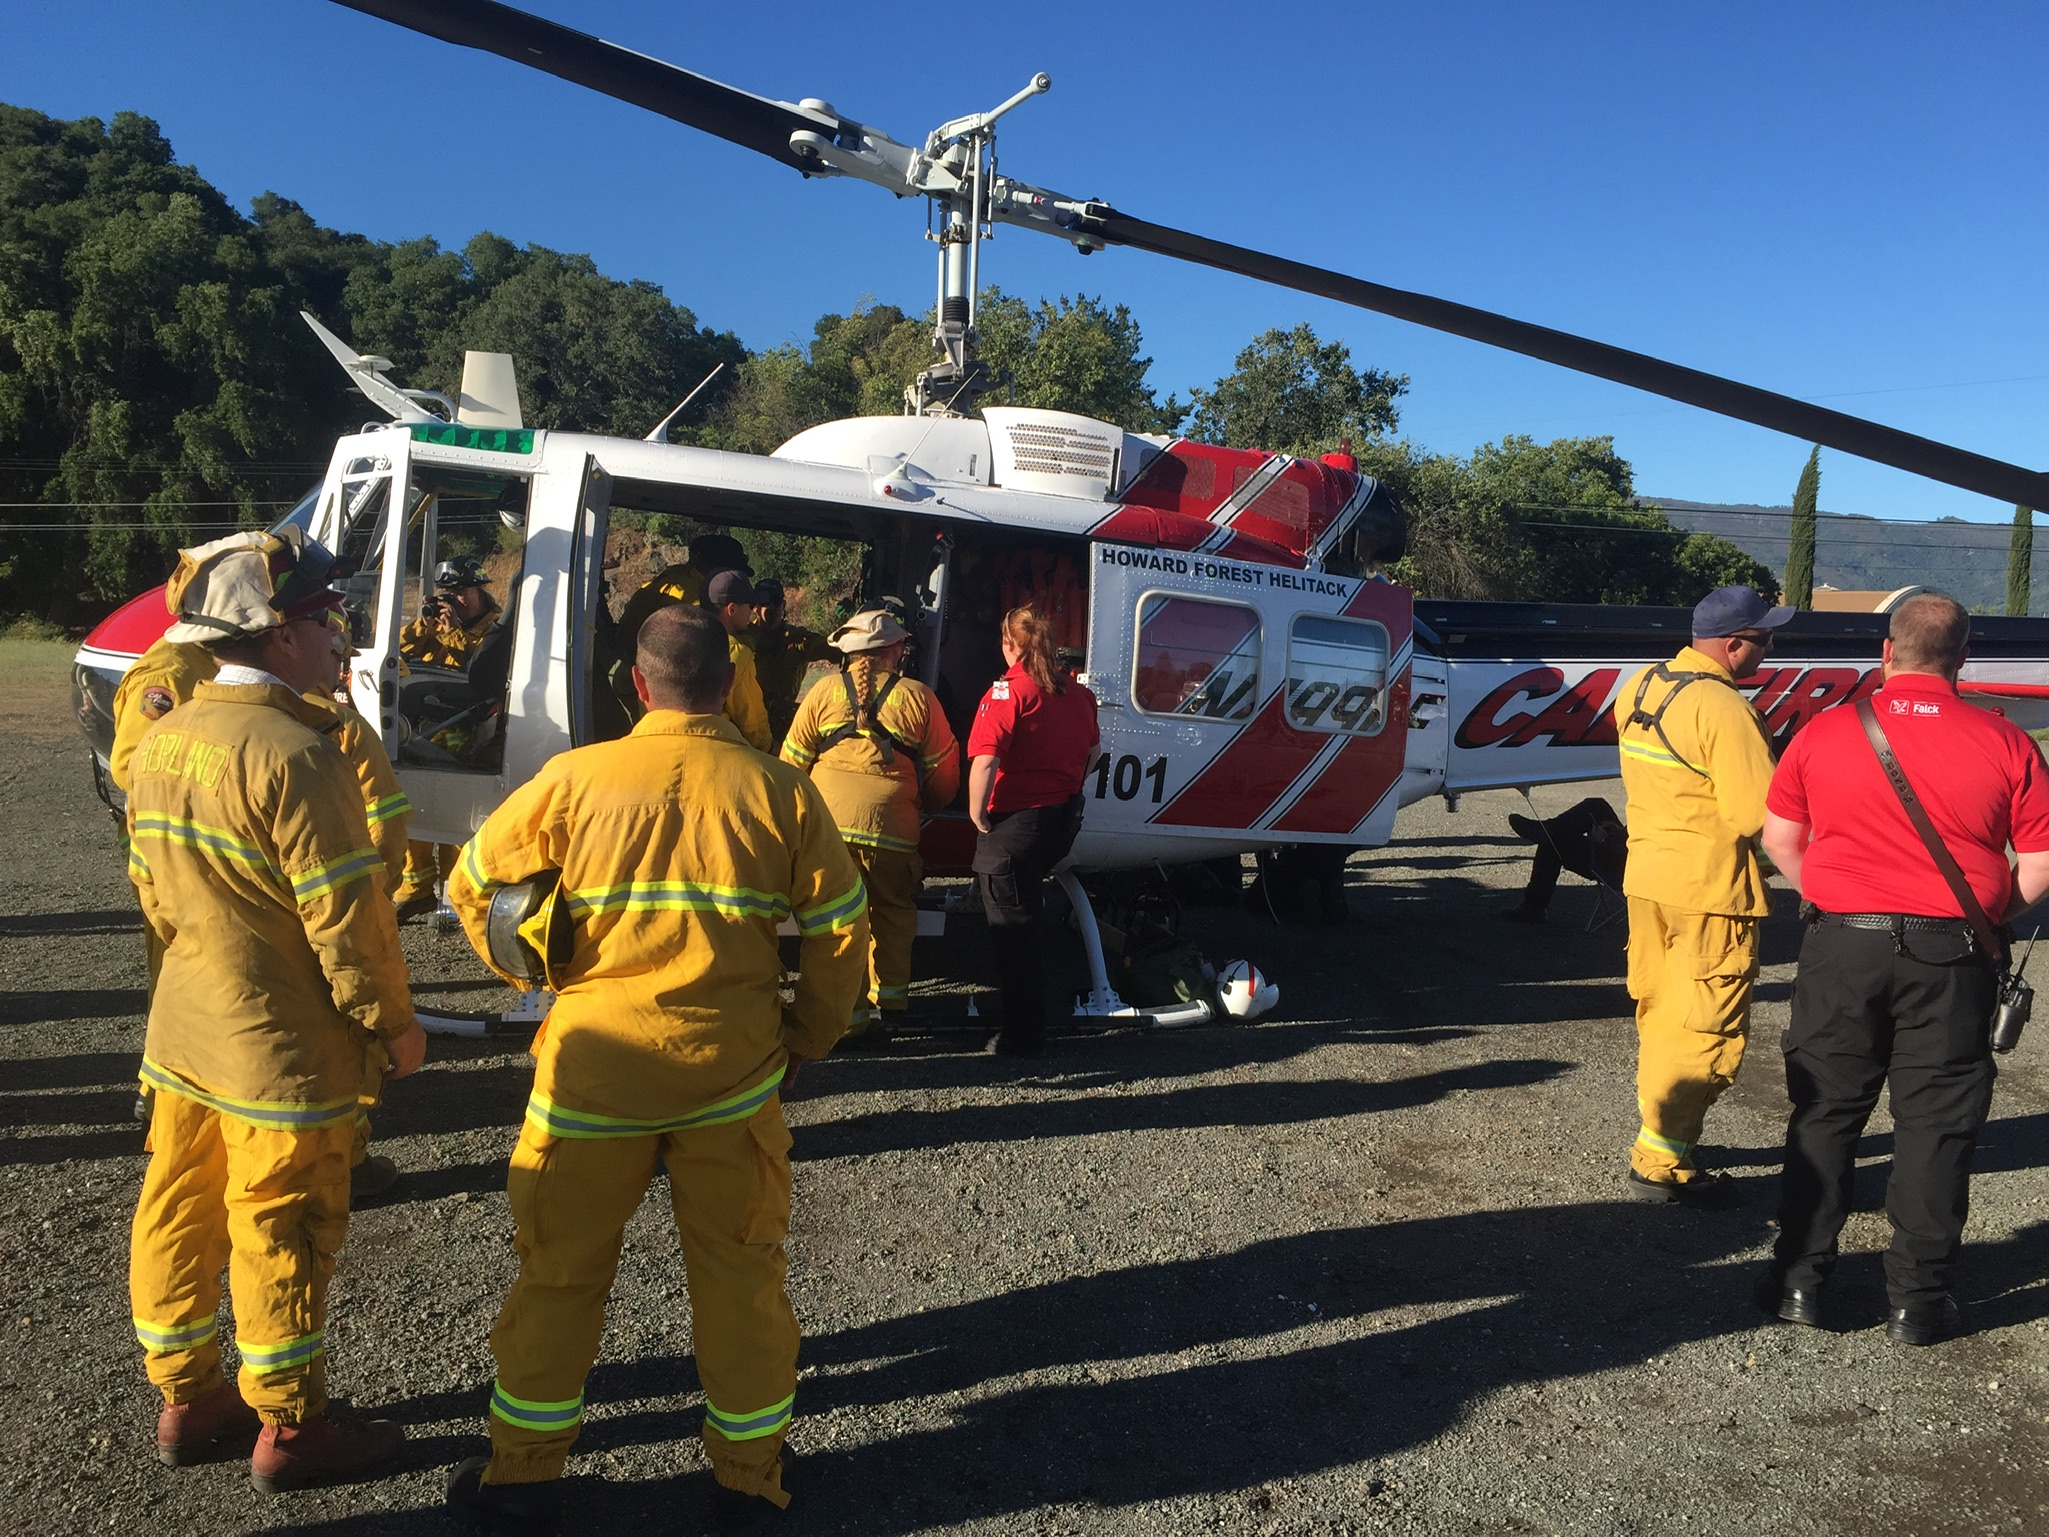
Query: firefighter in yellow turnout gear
(880, 750)
(1696, 766)
(447, 635)
(679, 850)
(251, 852)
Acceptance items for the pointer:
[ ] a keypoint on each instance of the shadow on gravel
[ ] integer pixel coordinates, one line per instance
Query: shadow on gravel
(81, 1146)
(2004, 1147)
(111, 921)
(82, 1003)
(79, 1070)
(1240, 1104)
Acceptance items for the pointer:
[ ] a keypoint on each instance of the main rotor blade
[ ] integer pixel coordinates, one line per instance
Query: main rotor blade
(753, 122)
(2003, 482)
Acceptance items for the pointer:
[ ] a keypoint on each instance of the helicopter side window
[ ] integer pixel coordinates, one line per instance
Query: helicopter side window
(1196, 657)
(463, 560)
(1337, 675)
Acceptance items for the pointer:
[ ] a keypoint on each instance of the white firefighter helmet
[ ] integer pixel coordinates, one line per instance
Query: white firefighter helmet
(1244, 992)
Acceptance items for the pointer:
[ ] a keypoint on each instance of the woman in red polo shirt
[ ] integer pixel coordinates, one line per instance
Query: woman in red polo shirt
(1028, 750)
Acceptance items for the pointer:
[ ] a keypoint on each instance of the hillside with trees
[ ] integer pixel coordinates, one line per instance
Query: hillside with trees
(157, 388)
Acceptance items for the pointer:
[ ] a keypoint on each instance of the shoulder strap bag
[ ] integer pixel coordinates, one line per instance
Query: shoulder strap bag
(2016, 998)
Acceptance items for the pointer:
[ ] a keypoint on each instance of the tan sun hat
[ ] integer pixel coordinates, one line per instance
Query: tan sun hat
(248, 583)
(870, 630)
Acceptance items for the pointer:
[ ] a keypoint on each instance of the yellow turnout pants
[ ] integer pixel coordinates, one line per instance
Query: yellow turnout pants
(375, 1060)
(426, 863)
(273, 1206)
(1690, 974)
(892, 877)
(571, 1198)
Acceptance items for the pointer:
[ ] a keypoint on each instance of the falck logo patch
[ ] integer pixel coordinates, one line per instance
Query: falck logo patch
(1000, 689)
(157, 703)
(1914, 707)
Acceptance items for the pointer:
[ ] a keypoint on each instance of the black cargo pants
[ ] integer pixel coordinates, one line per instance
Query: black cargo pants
(1012, 861)
(1867, 1011)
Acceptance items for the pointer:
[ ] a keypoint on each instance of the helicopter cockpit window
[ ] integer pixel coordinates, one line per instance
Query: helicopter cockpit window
(463, 556)
(1196, 657)
(1337, 675)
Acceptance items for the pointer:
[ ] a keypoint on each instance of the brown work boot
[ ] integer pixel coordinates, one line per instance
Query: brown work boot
(215, 1424)
(323, 1450)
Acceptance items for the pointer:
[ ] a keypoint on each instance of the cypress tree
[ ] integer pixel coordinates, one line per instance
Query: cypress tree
(2020, 562)
(1800, 547)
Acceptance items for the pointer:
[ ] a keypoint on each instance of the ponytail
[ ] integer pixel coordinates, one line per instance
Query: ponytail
(863, 669)
(1033, 637)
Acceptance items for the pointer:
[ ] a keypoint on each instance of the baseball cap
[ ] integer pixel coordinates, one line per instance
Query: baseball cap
(723, 587)
(768, 592)
(248, 583)
(1729, 610)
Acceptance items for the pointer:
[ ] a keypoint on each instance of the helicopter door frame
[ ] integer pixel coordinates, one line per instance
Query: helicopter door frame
(374, 671)
(574, 645)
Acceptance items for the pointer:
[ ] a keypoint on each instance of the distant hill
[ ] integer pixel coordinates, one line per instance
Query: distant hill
(1966, 560)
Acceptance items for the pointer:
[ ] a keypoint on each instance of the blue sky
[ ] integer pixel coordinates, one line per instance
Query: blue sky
(1846, 202)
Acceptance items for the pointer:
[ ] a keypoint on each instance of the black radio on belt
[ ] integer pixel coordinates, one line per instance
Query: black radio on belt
(2016, 1003)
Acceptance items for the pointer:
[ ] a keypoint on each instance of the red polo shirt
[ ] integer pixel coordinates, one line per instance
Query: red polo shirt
(1980, 776)
(1044, 740)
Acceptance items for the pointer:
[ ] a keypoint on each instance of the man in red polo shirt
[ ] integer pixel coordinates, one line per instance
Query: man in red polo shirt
(1892, 984)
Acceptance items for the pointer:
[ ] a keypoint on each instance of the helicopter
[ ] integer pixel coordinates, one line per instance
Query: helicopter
(1262, 682)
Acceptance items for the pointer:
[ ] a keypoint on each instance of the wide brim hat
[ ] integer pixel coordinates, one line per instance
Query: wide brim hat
(248, 583)
(870, 630)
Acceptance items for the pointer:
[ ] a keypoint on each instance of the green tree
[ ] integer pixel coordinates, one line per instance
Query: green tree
(152, 380)
(1293, 394)
(1073, 354)
(2020, 562)
(1806, 518)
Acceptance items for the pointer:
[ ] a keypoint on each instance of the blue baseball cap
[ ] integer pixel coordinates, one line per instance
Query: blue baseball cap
(1731, 610)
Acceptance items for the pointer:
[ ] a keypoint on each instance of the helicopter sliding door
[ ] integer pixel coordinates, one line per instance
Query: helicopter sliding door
(1242, 699)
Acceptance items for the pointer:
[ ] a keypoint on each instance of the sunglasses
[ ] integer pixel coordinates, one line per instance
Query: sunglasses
(1761, 640)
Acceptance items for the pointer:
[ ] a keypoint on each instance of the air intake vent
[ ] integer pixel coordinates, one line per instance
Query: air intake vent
(1054, 452)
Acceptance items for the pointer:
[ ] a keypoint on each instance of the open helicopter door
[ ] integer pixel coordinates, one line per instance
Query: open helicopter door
(1242, 698)
(356, 519)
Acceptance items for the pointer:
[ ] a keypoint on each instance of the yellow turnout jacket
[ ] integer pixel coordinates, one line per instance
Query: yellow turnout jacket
(680, 850)
(162, 678)
(442, 643)
(875, 781)
(250, 849)
(1696, 791)
(745, 707)
(387, 806)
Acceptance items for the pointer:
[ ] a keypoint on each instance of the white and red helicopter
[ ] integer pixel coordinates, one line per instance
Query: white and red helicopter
(1261, 683)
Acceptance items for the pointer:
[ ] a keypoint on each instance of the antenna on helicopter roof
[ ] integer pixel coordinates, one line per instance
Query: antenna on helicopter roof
(660, 432)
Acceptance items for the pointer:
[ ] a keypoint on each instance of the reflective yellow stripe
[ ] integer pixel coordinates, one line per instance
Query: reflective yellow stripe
(802, 758)
(276, 1115)
(839, 913)
(473, 867)
(187, 833)
(536, 1413)
(679, 896)
(1644, 753)
(588, 1126)
(264, 1359)
(1651, 1139)
(386, 807)
(138, 867)
(336, 874)
(868, 840)
(165, 1338)
(749, 1427)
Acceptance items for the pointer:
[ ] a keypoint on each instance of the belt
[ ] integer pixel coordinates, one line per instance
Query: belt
(1894, 923)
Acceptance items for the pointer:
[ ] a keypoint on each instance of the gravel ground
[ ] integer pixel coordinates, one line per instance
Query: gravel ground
(1362, 1267)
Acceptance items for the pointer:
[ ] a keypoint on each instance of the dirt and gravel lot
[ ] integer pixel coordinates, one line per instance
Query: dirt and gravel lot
(1362, 1267)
